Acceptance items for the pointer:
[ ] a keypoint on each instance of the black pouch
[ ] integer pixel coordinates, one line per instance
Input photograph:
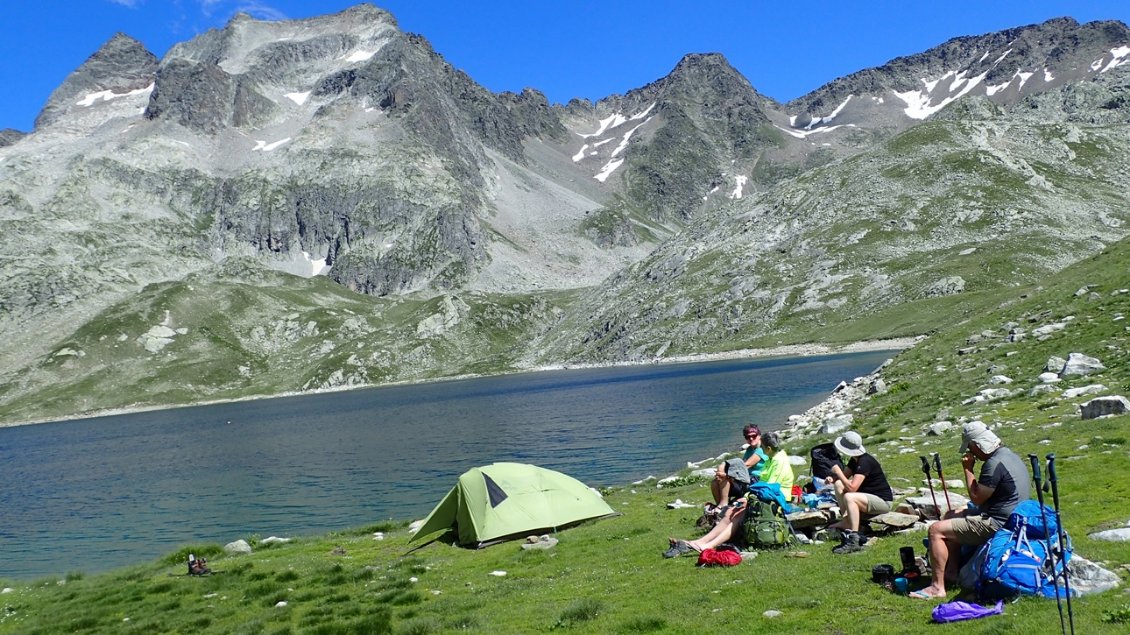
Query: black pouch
(909, 565)
(883, 574)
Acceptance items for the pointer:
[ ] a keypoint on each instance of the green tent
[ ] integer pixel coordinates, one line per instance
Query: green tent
(505, 500)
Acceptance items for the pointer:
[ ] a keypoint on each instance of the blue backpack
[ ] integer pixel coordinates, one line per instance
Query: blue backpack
(1015, 561)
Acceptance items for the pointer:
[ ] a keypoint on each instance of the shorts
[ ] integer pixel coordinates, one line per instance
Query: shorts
(876, 505)
(738, 490)
(974, 529)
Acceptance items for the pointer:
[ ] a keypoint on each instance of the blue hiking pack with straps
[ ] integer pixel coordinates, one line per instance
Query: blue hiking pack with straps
(1016, 561)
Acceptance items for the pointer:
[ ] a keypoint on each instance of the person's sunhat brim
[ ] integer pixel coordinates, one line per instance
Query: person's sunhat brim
(848, 450)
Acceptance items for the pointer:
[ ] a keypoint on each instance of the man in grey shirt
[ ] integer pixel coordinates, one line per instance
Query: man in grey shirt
(1002, 484)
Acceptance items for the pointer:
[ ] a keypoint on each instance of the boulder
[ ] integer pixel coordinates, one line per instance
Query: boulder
(1049, 377)
(946, 286)
(808, 518)
(1103, 406)
(1121, 534)
(1088, 577)
(939, 428)
(1093, 389)
(545, 541)
(237, 547)
(1044, 331)
(1054, 365)
(925, 502)
(836, 424)
(1080, 364)
(892, 520)
(1000, 379)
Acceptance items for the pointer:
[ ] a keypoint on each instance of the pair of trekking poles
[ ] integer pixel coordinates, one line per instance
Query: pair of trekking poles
(1056, 554)
(930, 482)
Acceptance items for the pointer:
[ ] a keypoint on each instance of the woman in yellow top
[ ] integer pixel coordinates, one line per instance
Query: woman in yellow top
(778, 469)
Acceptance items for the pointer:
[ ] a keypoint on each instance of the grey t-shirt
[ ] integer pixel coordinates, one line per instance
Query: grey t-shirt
(1006, 473)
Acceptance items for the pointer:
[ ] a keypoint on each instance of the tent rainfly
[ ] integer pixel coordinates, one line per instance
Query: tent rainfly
(504, 500)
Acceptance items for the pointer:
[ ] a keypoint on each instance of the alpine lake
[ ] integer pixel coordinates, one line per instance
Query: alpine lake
(94, 494)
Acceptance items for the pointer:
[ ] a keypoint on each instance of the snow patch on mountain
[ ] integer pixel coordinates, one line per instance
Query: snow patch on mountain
(918, 102)
(298, 98)
(1118, 58)
(739, 184)
(615, 120)
(358, 56)
(803, 133)
(817, 121)
(267, 147)
(608, 169)
(107, 95)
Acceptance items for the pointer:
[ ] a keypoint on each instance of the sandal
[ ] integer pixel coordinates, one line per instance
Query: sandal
(921, 594)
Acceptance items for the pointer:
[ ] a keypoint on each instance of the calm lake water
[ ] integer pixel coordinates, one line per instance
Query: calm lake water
(100, 493)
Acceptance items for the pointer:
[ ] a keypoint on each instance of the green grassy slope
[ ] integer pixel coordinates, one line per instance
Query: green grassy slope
(608, 576)
(269, 334)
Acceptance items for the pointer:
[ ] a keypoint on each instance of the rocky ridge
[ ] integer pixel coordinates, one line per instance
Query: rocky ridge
(688, 216)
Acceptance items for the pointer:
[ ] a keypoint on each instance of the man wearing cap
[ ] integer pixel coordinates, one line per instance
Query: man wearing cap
(861, 488)
(1002, 484)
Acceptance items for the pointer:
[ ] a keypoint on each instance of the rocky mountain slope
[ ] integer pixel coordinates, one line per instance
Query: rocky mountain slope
(282, 206)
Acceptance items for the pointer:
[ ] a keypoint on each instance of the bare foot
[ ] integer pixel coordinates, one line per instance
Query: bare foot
(929, 593)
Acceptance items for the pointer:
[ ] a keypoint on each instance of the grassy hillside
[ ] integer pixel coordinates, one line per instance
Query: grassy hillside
(608, 576)
(269, 334)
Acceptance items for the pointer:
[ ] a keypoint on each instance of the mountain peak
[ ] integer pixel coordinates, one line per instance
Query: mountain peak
(121, 65)
(709, 71)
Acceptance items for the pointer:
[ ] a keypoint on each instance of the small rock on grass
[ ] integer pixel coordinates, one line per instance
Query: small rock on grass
(771, 613)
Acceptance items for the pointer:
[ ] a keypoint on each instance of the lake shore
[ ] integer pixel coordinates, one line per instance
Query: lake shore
(790, 350)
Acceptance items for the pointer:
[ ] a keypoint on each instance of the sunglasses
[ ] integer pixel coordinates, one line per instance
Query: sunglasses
(752, 436)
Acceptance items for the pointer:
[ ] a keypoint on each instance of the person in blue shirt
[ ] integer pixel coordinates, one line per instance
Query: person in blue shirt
(722, 487)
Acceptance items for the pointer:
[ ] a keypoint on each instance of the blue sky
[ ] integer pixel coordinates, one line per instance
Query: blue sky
(565, 48)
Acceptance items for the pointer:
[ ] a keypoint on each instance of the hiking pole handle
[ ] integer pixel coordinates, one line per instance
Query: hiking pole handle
(938, 464)
(1035, 460)
(1051, 467)
(925, 465)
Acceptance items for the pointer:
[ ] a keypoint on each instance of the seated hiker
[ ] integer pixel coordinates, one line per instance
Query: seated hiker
(861, 488)
(1003, 483)
(777, 470)
(734, 478)
(197, 566)
(778, 467)
(754, 459)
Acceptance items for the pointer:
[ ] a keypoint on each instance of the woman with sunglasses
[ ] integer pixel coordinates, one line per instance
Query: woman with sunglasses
(754, 458)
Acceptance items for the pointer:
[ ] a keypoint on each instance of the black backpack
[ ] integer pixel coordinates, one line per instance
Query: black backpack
(824, 456)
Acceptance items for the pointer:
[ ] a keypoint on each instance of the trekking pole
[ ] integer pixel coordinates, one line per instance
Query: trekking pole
(1062, 540)
(930, 482)
(1047, 538)
(938, 464)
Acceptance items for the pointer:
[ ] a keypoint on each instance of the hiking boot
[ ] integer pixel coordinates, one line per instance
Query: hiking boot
(678, 548)
(852, 542)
